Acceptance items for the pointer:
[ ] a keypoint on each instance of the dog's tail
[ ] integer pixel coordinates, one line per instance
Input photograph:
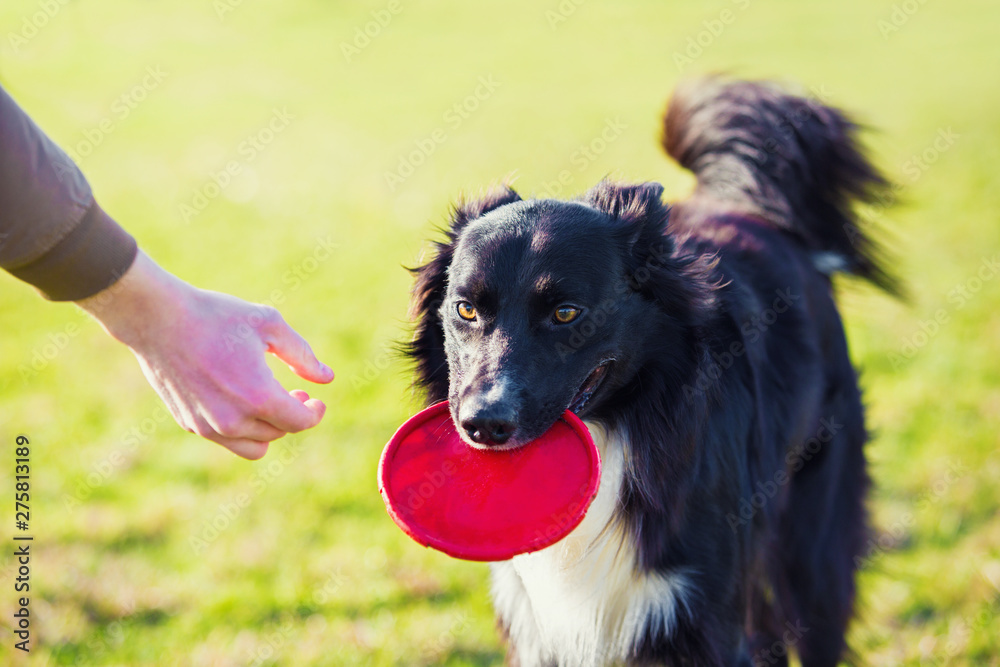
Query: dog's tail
(795, 162)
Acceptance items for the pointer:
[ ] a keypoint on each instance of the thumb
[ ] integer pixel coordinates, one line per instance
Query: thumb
(286, 344)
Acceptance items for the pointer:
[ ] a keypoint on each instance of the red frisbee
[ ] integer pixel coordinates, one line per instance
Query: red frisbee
(487, 505)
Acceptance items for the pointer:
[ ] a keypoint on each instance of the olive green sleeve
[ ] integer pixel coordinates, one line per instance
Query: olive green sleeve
(53, 234)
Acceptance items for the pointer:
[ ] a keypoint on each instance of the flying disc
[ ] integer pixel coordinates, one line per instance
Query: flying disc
(481, 504)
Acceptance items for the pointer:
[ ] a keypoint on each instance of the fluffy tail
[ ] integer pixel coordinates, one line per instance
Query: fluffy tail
(757, 149)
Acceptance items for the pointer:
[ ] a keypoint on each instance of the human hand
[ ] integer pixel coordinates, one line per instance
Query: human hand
(203, 353)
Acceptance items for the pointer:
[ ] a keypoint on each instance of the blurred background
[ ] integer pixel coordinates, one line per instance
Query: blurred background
(351, 128)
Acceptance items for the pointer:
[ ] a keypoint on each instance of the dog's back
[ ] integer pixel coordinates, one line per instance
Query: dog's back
(778, 176)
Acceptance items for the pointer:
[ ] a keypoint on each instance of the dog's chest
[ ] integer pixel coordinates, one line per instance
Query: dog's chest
(582, 601)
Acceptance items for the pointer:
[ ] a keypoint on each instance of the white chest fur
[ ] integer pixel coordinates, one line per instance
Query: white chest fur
(582, 602)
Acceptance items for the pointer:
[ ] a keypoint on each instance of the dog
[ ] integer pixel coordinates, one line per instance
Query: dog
(701, 345)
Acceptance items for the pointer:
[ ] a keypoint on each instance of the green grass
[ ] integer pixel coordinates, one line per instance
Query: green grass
(311, 570)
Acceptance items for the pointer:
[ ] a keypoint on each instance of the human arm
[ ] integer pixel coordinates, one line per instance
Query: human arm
(203, 353)
(53, 234)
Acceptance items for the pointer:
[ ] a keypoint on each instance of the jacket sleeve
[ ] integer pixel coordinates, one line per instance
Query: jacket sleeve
(53, 234)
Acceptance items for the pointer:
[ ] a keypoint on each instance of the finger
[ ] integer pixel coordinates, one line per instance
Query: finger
(286, 344)
(288, 413)
(317, 406)
(312, 403)
(248, 449)
(242, 447)
(246, 428)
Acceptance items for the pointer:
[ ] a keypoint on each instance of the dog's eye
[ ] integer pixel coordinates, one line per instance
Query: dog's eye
(566, 314)
(466, 310)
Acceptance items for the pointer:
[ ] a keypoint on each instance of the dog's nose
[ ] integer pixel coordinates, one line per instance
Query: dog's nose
(487, 411)
(489, 427)
(488, 431)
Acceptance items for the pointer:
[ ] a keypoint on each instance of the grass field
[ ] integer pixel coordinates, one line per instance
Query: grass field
(153, 547)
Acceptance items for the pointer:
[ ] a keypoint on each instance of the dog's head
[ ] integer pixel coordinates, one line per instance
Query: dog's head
(534, 307)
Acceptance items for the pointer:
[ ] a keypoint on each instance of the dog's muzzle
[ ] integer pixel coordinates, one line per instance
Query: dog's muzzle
(489, 418)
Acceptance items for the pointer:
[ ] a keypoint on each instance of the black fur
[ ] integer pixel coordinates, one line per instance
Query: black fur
(730, 371)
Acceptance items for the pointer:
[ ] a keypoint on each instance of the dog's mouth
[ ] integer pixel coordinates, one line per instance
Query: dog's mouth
(587, 390)
(589, 387)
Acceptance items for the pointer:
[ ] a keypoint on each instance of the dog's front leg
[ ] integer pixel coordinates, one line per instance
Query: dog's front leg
(516, 618)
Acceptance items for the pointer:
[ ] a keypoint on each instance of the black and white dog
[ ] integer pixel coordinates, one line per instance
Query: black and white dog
(702, 346)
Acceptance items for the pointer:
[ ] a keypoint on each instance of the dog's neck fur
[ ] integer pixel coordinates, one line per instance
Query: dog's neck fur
(584, 601)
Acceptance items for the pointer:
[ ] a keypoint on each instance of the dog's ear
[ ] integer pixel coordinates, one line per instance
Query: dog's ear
(637, 209)
(468, 210)
(639, 218)
(681, 284)
(426, 348)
